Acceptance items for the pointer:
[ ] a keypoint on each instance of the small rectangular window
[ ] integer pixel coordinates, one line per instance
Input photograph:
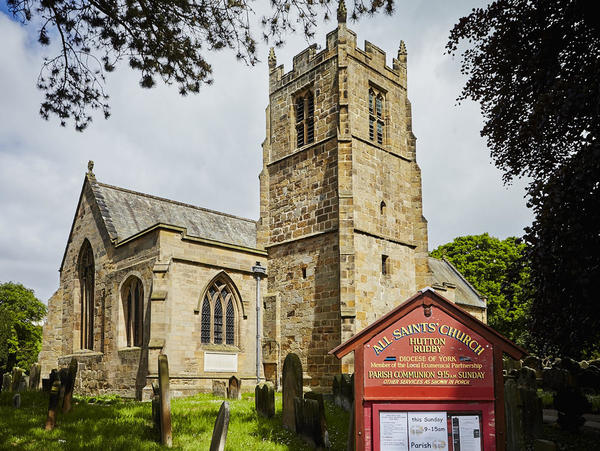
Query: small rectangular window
(385, 265)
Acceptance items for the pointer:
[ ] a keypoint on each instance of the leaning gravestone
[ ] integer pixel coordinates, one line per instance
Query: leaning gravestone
(219, 435)
(234, 390)
(6, 382)
(166, 437)
(336, 388)
(16, 401)
(53, 405)
(309, 421)
(34, 376)
(292, 388)
(69, 385)
(63, 377)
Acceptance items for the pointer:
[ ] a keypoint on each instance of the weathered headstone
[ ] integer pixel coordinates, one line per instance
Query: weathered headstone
(156, 406)
(292, 388)
(16, 401)
(6, 382)
(219, 435)
(347, 391)
(46, 385)
(234, 390)
(219, 389)
(321, 436)
(571, 404)
(336, 389)
(63, 377)
(69, 385)
(17, 375)
(34, 376)
(53, 406)
(166, 437)
(264, 399)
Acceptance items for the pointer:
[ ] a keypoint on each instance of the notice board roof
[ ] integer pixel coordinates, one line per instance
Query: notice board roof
(427, 298)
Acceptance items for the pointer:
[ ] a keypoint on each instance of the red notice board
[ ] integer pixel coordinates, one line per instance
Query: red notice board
(429, 376)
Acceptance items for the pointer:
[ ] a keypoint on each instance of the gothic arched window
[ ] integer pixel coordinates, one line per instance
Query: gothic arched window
(218, 321)
(305, 121)
(133, 307)
(86, 284)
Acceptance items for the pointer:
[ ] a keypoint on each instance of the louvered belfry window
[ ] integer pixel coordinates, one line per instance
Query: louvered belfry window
(305, 121)
(376, 120)
(218, 314)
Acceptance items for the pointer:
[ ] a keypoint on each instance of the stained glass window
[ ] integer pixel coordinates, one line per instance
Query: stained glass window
(218, 331)
(229, 324)
(205, 321)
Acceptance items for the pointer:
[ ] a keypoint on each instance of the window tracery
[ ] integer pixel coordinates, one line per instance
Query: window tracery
(219, 315)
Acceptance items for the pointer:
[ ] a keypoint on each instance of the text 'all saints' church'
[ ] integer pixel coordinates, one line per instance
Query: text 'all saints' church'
(341, 240)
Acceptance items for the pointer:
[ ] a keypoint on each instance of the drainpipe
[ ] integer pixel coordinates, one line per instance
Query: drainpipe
(259, 273)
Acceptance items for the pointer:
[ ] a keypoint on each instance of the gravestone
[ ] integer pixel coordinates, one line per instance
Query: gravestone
(16, 401)
(156, 406)
(219, 435)
(320, 435)
(53, 406)
(17, 375)
(234, 390)
(6, 382)
(264, 399)
(63, 377)
(166, 437)
(46, 385)
(34, 376)
(336, 389)
(23, 384)
(69, 385)
(219, 389)
(292, 388)
(347, 391)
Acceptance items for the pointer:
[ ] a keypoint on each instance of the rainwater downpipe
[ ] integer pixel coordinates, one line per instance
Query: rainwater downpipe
(259, 272)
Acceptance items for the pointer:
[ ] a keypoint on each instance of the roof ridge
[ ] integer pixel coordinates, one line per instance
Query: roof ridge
(463, 278)
(183, 204)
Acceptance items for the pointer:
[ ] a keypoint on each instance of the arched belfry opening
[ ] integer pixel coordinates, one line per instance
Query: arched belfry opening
(86, 283)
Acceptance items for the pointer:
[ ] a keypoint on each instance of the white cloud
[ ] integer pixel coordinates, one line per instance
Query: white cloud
(206, 149)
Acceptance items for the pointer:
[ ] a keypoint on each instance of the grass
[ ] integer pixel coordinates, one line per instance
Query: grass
(108, 423)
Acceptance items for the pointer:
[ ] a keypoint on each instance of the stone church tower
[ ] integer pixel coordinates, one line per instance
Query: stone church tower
(341, 235)
(341, 205)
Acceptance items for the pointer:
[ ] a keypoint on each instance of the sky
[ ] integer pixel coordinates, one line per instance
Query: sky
(205, 149)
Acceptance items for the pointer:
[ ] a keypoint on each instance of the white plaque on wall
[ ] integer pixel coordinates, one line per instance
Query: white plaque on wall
(219, 362)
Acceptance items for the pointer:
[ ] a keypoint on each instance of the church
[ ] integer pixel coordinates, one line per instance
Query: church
(340, 241)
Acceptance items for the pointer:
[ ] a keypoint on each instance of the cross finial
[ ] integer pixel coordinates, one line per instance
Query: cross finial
(272, 59)
(342, 12)
(91, 167)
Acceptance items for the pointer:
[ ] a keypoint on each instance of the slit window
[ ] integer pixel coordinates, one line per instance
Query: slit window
(385, 262)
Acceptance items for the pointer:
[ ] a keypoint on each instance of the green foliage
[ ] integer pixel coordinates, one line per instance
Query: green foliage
(20, 332)
(160, 40)
(499, 271)
(533, 67)
(127, 425)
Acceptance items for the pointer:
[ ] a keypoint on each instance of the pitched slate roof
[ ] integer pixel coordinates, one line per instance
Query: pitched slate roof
(465, 293)
(127, 213)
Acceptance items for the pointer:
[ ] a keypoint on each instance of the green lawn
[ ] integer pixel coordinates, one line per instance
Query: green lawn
(112, 424)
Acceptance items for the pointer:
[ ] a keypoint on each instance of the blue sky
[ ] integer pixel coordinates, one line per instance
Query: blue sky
(206, 149)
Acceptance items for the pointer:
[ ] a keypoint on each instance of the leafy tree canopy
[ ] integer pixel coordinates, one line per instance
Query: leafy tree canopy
(20, 331)
(161, 39)
(499, 271)
(533, 66)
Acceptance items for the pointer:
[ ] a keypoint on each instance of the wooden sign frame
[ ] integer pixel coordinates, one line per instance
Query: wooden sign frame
(452, 333)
